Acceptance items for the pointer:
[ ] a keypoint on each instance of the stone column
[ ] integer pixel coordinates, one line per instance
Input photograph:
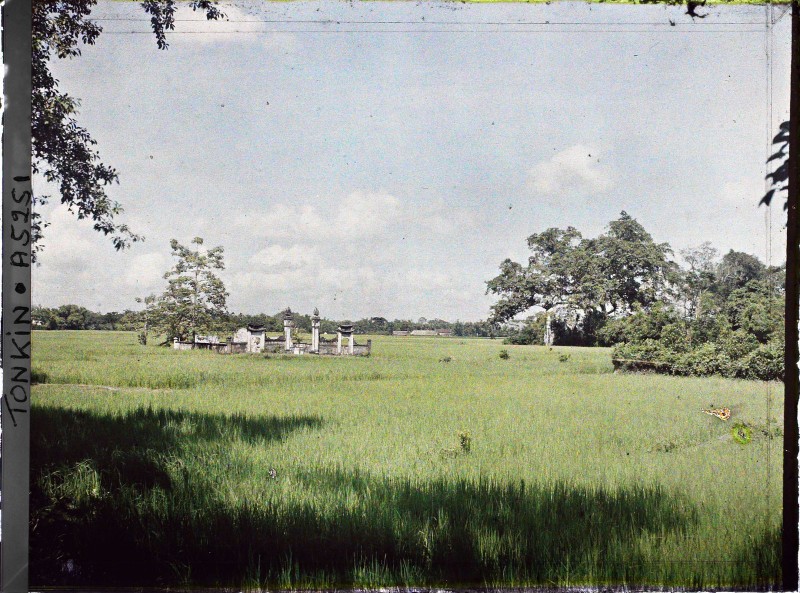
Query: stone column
(175, 343)
(288, 324)
(315, 331)
(339, 342)
(352, 343)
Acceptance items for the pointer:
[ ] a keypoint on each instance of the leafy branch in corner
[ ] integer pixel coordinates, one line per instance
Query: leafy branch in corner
(64, 152)
(780, 176)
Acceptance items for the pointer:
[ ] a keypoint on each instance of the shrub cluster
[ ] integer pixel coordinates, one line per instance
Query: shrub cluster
(737, 354)
(532, 332)
(741, 335)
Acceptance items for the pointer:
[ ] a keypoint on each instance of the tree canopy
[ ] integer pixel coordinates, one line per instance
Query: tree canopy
(611, 274)
(736, 270)
(195, 299)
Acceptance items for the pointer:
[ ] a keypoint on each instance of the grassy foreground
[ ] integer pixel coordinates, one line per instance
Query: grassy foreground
(156, 467)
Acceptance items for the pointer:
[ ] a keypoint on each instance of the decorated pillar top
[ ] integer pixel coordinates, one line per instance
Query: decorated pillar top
(288, 319)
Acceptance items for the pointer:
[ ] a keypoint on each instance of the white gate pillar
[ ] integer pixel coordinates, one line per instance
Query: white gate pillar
(288, 324)
(315, 331)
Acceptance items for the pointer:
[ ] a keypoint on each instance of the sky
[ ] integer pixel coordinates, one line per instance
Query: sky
(382, 159)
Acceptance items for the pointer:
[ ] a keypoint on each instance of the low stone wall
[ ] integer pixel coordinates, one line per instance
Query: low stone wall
(220, 347)
(216, 347)
(278, 346)
(274, 347)
(236, 348)
(326, 348)
(331, 348)
(362, 349)
(300, 348)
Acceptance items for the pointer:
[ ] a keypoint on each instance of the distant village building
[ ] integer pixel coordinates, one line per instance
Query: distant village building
(423, 332)
(253, 339)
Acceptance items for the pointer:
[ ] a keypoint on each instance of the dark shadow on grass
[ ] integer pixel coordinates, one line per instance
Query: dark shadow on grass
(94, 475)
(759, 562)
(342, 524)
(62, 436)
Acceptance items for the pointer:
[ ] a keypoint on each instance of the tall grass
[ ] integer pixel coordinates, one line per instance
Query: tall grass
(158, 467)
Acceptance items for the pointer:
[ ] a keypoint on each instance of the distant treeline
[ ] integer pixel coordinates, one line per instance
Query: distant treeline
(75, 317)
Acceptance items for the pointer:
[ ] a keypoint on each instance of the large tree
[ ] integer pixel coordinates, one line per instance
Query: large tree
(736, 270)
(610, 275)
(634, 270)
(195, 299)
(698, 279)
(63, 152)
(548, 280)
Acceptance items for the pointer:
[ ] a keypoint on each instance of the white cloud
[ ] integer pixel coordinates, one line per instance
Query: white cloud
(68, 263)
(577, 170)
(236, 23)
(281, 221)
(67, 247)
(442, 219)
(357, 216)
(366, 213)
(258, 282)
(417, 279)
(336, 232)
(288, 258)
(324, 255)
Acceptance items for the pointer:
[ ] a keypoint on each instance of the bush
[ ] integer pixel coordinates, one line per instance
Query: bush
(658, 340)
(532, 333)
(504, 354)
(707, 359)
(738, 344)
(649, 350)
(736, 357)
(640, 326)
(764, 363)
(675, 337)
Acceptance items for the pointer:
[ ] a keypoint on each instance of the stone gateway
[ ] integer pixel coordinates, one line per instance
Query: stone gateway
(253, 339)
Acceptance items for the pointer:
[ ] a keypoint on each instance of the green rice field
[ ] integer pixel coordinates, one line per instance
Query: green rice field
(432, 462)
